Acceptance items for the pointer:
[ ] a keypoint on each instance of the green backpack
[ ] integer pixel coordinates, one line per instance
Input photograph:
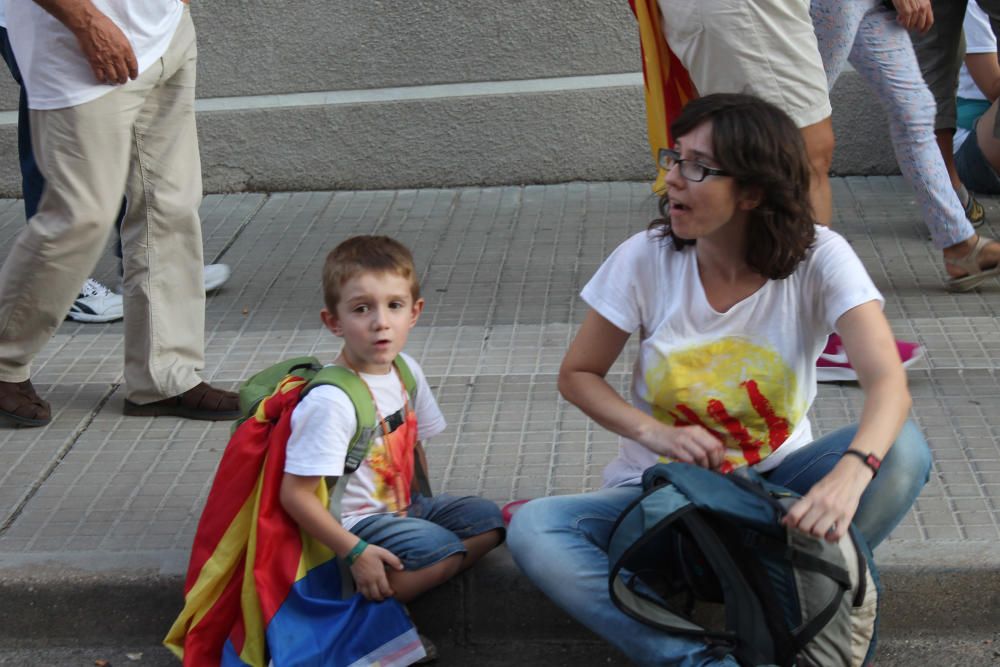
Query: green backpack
(263, 384)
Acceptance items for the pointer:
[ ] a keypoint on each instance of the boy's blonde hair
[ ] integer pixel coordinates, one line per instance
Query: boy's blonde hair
(360, 254)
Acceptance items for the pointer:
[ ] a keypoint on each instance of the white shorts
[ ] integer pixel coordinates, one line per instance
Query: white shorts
(763, 47)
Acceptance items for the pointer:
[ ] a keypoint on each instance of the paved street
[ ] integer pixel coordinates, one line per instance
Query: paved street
(100, 493)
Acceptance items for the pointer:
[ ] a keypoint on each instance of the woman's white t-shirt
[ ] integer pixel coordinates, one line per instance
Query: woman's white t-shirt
(749, 374)
(324, 422)
(55, 71)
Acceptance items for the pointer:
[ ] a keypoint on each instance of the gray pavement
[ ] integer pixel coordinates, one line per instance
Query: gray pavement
(109, 500)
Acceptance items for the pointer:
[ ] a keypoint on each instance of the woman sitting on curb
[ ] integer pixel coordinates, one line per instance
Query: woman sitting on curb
(733, 292)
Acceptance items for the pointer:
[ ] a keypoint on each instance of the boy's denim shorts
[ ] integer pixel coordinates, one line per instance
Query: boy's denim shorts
(433, 528)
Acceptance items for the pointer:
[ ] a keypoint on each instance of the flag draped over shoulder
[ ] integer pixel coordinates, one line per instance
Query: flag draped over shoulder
(668, 86)
(258, 588)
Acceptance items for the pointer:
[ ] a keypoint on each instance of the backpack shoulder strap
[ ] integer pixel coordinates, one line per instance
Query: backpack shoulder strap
(409, 380)
(421, 477)
(364, 410)
(263, 383)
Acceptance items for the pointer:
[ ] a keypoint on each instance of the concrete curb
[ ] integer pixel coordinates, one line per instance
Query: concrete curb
(927, 592)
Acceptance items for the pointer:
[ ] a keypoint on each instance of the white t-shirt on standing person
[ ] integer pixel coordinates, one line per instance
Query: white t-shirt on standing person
(748, 374)
(55, 72)
(324, 423)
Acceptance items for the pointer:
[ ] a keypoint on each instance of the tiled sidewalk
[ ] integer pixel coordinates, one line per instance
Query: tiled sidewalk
(501, 269)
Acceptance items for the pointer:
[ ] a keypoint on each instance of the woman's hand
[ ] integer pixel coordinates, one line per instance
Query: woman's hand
(688, 444)
(914, 14)
(827, 510)
(369, 572)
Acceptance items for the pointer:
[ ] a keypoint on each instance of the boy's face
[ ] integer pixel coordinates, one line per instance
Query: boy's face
(374, 317)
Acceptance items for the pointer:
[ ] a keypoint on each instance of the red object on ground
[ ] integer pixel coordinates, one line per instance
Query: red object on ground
(509, 509)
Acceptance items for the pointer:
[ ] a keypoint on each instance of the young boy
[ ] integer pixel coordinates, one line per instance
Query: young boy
(396, 545)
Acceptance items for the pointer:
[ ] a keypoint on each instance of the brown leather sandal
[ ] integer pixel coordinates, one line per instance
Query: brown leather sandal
(203, 401)
(21, 404)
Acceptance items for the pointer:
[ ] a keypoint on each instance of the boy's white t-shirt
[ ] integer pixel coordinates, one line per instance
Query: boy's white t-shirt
(324, 422)
(748, 374)
(55, 71)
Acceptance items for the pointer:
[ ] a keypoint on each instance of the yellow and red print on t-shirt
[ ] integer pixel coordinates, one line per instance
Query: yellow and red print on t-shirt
(391, 459)
(743, 393)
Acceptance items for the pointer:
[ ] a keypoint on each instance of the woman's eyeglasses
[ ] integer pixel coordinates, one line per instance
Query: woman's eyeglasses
(691, 170)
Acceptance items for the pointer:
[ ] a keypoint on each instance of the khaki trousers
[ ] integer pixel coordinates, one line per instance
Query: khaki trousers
(139, 140)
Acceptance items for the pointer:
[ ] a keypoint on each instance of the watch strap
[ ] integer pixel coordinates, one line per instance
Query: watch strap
(873, 462)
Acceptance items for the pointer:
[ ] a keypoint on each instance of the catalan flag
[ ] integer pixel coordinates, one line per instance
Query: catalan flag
(259, 591)
(668, 87)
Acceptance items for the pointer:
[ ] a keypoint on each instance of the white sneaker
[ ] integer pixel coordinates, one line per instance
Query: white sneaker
(216, 276)
(96, 303)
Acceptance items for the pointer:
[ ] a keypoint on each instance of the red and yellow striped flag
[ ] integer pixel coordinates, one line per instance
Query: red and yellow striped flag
(668, 86)
(258, 588)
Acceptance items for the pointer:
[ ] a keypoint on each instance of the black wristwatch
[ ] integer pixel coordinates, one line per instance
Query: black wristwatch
(873, 462)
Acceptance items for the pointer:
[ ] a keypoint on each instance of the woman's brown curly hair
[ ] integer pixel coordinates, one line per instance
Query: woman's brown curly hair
(760, 147)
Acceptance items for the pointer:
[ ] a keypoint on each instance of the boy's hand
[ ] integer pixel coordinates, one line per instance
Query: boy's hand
(369, 572)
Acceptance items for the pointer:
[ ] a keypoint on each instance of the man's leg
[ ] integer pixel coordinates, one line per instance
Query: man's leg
(819, 141)
(939, 54)
(95, 303)
(32, 181)
(161, 237)
(61, 243)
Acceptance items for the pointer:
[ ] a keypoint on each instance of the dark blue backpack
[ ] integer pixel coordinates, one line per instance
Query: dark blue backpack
(789, 598)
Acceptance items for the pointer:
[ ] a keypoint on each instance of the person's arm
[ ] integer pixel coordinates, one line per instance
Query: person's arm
(870, 345)
(582, 382)
(298, 498)
(105, 46)
(984, 68)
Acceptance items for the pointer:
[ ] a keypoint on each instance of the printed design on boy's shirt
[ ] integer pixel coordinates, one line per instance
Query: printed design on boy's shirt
(391, 459)
(743, 393)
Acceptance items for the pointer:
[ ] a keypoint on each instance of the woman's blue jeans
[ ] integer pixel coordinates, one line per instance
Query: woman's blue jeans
(561, 542)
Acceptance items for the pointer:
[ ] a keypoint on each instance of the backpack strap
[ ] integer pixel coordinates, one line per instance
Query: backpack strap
(664, 510)
(421, 478)
(263, 383)
(364, 410)
(637, 543)
(345, 380)
(409, 381)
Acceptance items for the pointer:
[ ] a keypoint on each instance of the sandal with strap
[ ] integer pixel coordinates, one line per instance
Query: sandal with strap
(974, 211)
(974, 274)
(203, 401)
(21, 404)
